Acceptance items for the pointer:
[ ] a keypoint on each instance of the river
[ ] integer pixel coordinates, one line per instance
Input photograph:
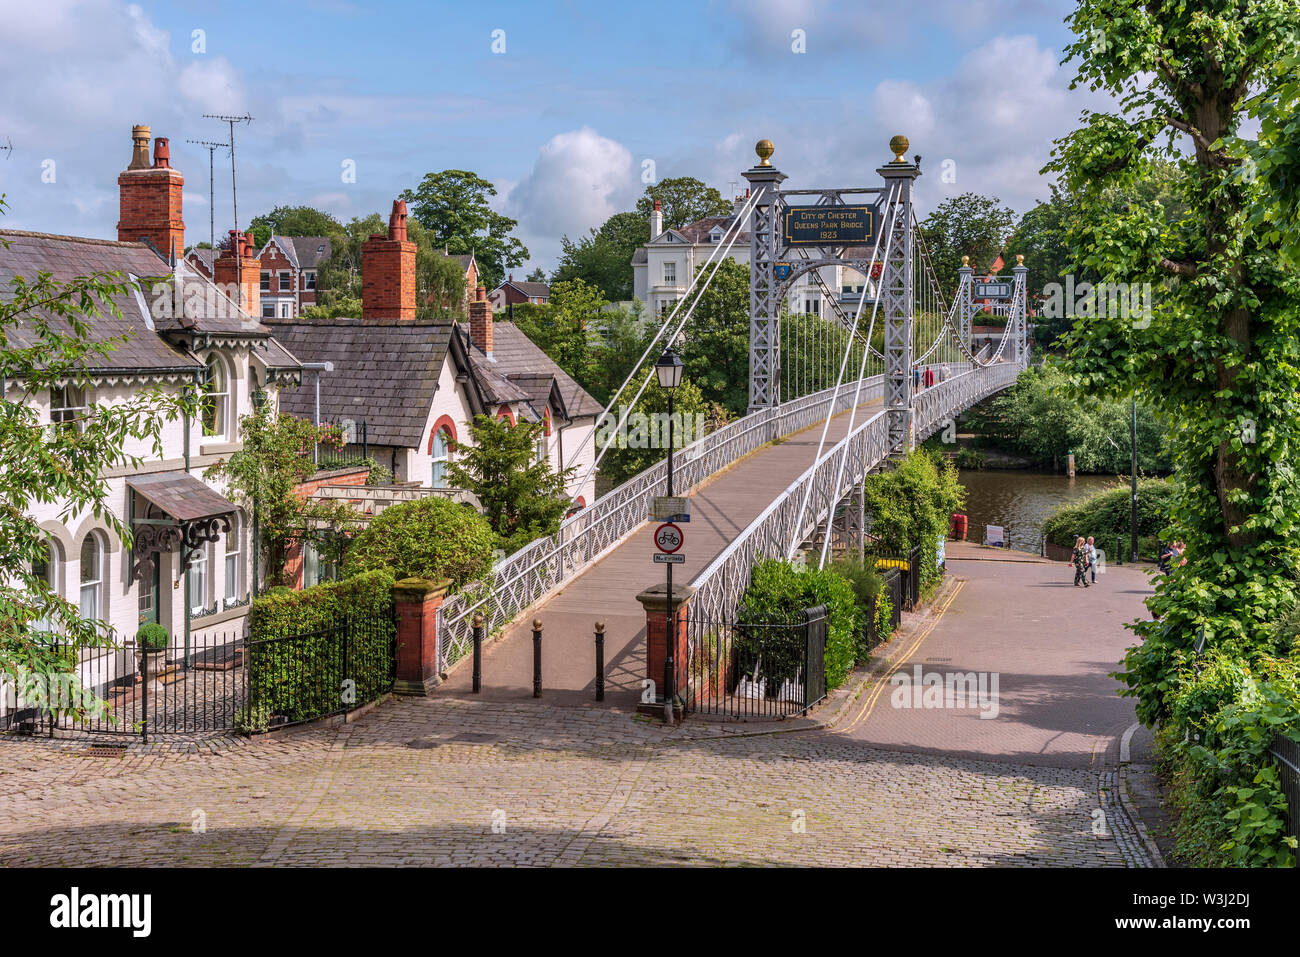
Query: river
(1020, 500)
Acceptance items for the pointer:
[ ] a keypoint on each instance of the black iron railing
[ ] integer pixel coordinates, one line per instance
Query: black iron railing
(1287, 754)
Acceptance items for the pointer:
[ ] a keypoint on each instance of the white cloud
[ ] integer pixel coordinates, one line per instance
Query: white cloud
(579, 180)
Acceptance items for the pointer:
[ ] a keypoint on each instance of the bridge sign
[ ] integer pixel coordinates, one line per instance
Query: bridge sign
(830, 225)
(669, 508)
(669, 538)
(992, 290)
(662, 559)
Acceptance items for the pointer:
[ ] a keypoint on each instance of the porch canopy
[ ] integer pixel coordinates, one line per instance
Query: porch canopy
(198, 515)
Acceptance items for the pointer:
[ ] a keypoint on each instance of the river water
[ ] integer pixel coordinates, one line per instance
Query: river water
(1020, 500)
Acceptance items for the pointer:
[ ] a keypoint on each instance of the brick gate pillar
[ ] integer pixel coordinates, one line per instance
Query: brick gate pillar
(417, 601)
(655, 602)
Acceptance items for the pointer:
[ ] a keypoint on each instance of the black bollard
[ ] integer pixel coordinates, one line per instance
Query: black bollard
(537, 657)
(478, 653)
(600, 661)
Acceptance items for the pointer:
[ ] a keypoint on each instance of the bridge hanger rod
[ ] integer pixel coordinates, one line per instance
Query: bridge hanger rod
(735, 230)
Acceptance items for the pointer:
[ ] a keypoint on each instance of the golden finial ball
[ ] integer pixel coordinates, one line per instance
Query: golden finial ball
(898, 146)
(764, 149)
(1020, 259)
(965, 261)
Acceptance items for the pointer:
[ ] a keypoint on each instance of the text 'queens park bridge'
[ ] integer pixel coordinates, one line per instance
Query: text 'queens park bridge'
(840, 396)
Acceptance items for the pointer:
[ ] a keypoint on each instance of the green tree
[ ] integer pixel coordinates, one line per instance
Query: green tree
(46, 340)
(633, 449)
(565, 329)
(338, 278)
(296, 221)
(453, 206)
(537, 275)
(521, 496)
(1221, 353)
(604, 258)
(683, 200)
(910, 505)
(264, 477)
(716, 347)
(428, 538)
(966, 225)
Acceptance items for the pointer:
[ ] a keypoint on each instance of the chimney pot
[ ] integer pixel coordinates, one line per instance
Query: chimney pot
(162, 155)
(150, 197)
(388, 270)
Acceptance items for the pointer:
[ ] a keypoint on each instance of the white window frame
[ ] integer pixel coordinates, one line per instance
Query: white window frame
(264, 280)
(196, 579)
(95, 581)
(268, 309)
(670, 271)
(234, 561)
(68, 406)
(437, 480)
(221, 426)
(286, 310)
(286, 281)
(309, 280)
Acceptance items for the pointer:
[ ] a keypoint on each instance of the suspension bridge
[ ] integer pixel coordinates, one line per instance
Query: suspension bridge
(828, 403)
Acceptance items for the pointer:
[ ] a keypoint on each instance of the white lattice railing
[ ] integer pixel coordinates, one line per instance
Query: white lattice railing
(721, 585)
(539, 568)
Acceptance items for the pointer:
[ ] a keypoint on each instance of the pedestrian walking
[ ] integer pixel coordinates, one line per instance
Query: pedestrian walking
(1079, 559)
(929, 376)
(1092, 559)
(916, 379)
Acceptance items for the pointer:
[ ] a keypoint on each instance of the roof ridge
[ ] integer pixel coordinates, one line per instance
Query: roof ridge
(74, 239)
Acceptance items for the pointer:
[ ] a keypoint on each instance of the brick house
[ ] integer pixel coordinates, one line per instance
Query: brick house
(288, 273)
(418, 384)
(511, 293)
(183, 332)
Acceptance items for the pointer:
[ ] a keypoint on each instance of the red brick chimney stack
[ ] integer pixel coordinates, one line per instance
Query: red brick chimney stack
(480, 320)
(245, 270)
(388, 271)
(150, 196)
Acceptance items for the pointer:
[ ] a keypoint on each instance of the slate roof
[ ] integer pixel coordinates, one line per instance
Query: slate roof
(180, 495)
(698, 231)
(385, 372)
(308, 252)
(204, 255)
(69, 257)
(523, 362)
(530, 289)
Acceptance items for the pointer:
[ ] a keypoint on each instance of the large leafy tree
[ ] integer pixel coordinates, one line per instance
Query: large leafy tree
(522, 496)
(604, 258)
(716, 347)
(683, 200)
(453, 206)
(966, 225)
(294, 221)
(565, 329)
(1221, 354)
(47, 339)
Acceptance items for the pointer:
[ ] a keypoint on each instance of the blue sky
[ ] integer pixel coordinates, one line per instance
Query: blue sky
(563, 121)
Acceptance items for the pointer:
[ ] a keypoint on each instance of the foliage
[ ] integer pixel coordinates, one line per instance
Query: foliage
(966, 225)
(47, 336)
(715, 347)
(1107, 513)
(522, 497)
(1221, 354)
(296, 221)
(683, 200)
(884, 614)
(252, 718)
(537, 275)
(439, 280)
(604, 258)
(264, 477)
(868, 588)
(632, 451)
(779, 592)
(153, 637)
(910, 506)
(432, 538)
(454, 207)
(565, 329)
(338, 278)
(1046, 415)
(296, 668)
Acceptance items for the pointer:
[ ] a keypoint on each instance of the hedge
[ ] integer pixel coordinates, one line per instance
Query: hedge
(429, 538)
(305, 645)
(1107, 514)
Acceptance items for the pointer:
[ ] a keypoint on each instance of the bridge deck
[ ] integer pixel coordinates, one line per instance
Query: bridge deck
(720, 509)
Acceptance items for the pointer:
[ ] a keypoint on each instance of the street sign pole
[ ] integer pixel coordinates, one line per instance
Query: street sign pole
(670, 636)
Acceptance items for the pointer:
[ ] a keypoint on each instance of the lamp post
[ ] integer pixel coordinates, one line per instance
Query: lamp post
(669, 371)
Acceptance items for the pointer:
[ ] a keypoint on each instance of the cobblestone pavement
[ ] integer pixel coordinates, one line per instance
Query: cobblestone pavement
(450, 781)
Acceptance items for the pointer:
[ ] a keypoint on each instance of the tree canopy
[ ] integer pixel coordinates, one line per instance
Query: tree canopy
(683, 200)
(604, 258)
(453, 206)
(966, 225)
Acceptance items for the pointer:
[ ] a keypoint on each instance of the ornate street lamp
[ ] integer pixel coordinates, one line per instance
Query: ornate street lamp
(669, 371)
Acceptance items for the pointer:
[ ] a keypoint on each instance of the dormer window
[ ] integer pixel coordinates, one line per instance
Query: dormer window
(715, 236)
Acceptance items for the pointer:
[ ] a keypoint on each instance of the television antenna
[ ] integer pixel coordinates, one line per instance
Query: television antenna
(8, 148)
(234, 191)
(212, 218)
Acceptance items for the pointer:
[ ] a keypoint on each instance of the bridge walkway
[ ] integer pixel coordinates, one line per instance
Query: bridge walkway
(720, 509)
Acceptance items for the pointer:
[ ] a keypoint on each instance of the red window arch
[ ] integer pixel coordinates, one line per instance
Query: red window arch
(444, 422)
(546, 421)
(506, 413)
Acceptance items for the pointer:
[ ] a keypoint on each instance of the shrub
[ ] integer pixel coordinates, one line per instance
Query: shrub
(867, 586)
(1106, 514)
(910, 507)
(153, 637)
(779, 592)
(428, 538)
(306, 644)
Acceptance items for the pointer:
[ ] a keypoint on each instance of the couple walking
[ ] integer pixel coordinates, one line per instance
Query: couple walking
(1084, 560)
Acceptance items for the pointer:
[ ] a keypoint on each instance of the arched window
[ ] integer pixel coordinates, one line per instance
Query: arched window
(234, 562)
(92, 576)
(441, 451)
(216, 397)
